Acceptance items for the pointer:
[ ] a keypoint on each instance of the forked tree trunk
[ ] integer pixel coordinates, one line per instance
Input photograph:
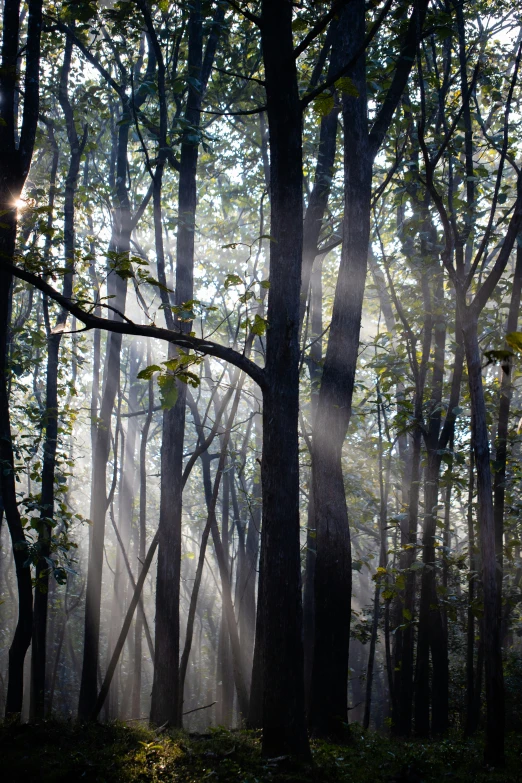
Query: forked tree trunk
(333, 567)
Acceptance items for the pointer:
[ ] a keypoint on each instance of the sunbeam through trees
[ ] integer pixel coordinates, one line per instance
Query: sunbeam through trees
(260, 401)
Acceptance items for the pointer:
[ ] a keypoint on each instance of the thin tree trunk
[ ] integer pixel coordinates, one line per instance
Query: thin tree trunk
(142, 540)
(225, 671)
(38, 654)
(506, 391)
(430, 629)
(471, 718)
(383, 518)
(494, 679)
(315, 368)
(211, 526)
(125, 503)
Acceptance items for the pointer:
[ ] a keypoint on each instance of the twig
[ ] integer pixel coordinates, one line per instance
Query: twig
(200, 708)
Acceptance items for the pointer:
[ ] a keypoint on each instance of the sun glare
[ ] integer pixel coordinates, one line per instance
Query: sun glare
(19, 203)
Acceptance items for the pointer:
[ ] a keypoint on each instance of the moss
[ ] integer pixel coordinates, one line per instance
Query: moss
(55, 752)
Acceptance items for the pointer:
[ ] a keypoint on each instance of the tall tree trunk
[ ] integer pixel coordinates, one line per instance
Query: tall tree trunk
(315, 368)
(16, 150)
(247, 596)
(383, 517)
(279, 620)
(431, 634)
(142, 540)
(225, 692)
(506, 391)
(405, 674)
(333, 575)
(471, 716)
(494, 678)
(125, 503)
(167, 695)
(38, 655)
(117, 287)
(22, 635)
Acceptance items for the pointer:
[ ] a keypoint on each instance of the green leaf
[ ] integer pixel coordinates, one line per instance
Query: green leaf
(299, 25)
(246, 296)
(514, 340)
(323, 104)
(259, 325)
(347, 87)
(231, 280)
(82, 10)
(148, 372)
(168, 391)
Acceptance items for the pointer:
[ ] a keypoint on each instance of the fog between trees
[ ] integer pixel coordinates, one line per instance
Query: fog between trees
(260, 279)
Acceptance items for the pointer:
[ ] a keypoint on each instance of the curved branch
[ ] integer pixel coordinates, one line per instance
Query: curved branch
(186, 341)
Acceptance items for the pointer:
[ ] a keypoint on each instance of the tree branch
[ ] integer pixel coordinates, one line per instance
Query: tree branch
(186, 341)
(319, 26)
(306, 99)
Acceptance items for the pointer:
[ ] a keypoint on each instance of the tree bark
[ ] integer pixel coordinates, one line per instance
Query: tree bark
(279, 624)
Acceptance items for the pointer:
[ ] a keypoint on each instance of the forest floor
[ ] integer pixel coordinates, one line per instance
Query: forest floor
(57, 751)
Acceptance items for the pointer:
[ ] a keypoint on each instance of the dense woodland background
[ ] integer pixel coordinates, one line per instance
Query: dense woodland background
(260, 280)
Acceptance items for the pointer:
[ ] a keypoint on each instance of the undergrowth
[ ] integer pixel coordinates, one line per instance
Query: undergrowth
(59, 752)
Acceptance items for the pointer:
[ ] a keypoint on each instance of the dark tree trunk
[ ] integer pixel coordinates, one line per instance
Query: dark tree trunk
(405, 674)
(36, 707)
(247, 596)
(431, 633)
(279, 622)
(16, 152)
(22, 636)
(471, 716)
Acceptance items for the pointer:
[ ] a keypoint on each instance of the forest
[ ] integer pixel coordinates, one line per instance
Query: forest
(261, 390)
